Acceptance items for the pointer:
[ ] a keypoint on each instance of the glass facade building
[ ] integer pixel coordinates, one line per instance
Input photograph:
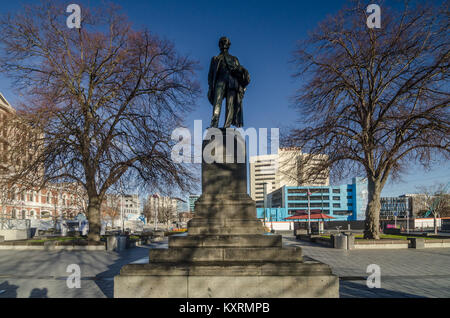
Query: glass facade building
(345, 202)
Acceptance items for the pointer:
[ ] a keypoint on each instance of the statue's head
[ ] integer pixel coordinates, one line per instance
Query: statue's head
(224, 43)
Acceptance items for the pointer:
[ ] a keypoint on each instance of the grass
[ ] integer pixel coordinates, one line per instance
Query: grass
(58, 239)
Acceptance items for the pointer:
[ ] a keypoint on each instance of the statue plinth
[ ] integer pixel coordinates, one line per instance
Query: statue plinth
(226, 252)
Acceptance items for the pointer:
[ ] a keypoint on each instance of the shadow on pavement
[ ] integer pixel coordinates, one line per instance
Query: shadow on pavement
(39, 293)
(7, 290)
(349, 289)
(105, 280)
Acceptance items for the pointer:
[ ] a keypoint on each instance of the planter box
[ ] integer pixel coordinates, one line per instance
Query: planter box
(15, 235)
(437, 243)
(381, 244)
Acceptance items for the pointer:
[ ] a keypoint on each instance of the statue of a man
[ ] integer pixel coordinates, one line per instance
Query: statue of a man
(227, 79)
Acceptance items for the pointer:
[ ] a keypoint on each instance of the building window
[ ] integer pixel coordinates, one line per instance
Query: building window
(13, 214)
(336, 190)
(336, 205)
(337, 198)
(297, 191)
(349, 197)
(343, 212)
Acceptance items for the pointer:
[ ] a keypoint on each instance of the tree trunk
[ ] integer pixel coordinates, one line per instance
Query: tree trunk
(372, 223)
(435, 225)
(94, 218)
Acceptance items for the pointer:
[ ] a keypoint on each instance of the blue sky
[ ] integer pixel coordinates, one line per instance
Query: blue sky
(263, 35)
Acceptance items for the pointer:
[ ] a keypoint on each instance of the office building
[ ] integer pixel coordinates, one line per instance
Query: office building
(288, 167)
(344, 202)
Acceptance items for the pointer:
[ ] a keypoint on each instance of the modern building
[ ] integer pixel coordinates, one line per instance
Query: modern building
(192, 199)
(344, 203)
(166, 208)
(286, 168)
(413, 205)
(396, 207)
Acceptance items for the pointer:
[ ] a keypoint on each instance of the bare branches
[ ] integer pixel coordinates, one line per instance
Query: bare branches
(104, 99)
(375, 96)
(375, 99)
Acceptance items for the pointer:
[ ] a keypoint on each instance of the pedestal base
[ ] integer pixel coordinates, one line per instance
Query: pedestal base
(226, 253)
(309, 279)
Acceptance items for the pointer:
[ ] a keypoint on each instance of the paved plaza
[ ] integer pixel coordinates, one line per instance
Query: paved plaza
(404, 273)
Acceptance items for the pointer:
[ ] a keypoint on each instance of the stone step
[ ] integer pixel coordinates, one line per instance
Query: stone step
(215, 226)
(309, 268)
(250, 254)
(225, 241)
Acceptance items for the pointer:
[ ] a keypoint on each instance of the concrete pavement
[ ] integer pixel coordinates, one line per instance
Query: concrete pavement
(404, 273)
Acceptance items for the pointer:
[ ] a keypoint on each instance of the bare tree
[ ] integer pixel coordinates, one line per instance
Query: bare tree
(149, 210)
(103, 99)
(111, 208)
(434, 199)
(167, 211)
(375, 100)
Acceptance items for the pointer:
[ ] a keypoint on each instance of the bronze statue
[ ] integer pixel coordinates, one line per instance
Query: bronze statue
(227, 79)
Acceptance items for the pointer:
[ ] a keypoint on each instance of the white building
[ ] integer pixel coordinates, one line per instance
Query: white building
(286, 168)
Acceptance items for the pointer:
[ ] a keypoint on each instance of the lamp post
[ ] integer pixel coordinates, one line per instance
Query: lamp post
(155, 196)
(309, 213)
(265, 201)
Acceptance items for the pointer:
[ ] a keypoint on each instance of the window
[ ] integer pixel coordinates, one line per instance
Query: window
(343, 212)
(297, 191)
(13, 214)
(336, 205)
(337, 198)
(297, 205)
(349, 197)
(298, 198)
(336, 190)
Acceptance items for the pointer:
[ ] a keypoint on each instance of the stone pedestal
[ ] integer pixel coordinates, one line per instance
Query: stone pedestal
(226, 252)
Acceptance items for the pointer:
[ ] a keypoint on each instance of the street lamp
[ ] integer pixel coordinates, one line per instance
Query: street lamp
(155, 196)
(309, 213)
(265, 201)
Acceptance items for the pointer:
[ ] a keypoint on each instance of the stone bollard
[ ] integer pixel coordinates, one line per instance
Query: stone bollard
(350, 241)
(49, 245)
(417, 242)
(340, 242)
(111, 243)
